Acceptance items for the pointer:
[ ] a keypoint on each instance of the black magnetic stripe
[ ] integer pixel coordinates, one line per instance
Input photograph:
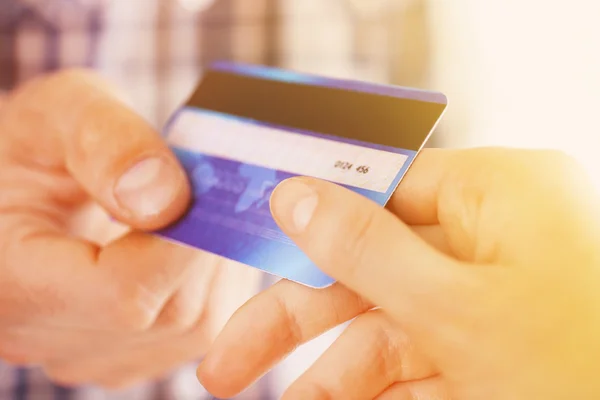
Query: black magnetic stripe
(372, 118)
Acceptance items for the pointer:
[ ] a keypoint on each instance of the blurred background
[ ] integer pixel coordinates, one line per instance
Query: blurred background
(516, 72)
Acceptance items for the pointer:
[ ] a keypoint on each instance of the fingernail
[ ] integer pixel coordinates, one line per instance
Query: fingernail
(293, 204)
(149, 187)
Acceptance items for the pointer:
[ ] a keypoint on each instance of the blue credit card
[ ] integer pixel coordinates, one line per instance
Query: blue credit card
(247, 128)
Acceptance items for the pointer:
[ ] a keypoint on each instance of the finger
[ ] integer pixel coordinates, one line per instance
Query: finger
(48, 344)
(123, 367)
(156, 283)
(274, 323)
(126, 293)
(371, 355)
(435, 236)
(62, 293)
(426, 389)
(113, 153)
(415, 201)
(145, 357)
(190, 292)
(480, 197)
(438, 174)
(300, 311)
(36, 346)
(373, 253)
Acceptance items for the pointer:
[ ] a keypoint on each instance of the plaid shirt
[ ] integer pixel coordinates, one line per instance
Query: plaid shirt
(155, 50)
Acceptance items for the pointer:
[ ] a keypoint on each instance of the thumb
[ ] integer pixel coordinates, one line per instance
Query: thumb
(372, 252)
(112, 153)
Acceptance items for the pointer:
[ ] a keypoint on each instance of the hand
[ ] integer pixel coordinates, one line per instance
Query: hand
(87, 308)
(486, 268)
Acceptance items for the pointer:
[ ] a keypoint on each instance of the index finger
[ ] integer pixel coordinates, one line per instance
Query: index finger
(290, 315)
(416, 200)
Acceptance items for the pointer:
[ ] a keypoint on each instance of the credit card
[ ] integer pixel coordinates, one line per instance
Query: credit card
(246, 128)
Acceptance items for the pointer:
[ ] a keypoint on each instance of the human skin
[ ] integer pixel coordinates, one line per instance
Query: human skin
(89, 300)
(485, 270)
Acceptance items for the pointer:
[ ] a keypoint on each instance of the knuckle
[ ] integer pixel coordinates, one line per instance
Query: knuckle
(399, 357)
(559, 157)
(293, 333)
(86, 79)
(85, 83)
(391, 348)
(76, 88)
(361, 229)
(530, 167)
(92, 140)
(86, 133)
(345, 304)
(314, 390)
(89, 101)
(488, 174)
(540, 163)
(561, 165)
(134, 308)
(179, 318)
(555, 177)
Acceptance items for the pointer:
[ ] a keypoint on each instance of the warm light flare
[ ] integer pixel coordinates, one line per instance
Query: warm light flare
(591, 162)
(520, 74)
